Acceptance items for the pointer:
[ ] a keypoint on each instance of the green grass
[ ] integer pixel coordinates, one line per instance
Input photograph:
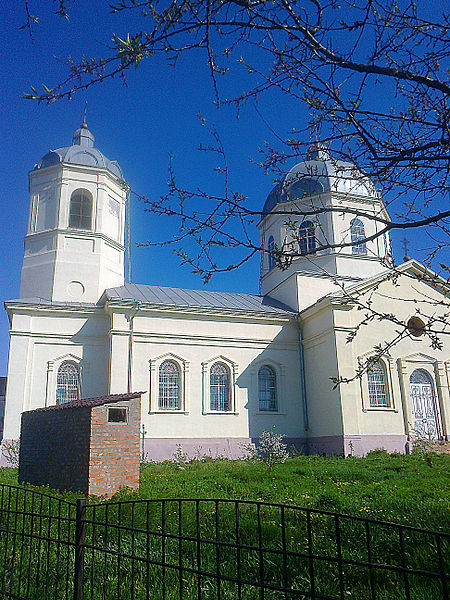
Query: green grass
(400, 489)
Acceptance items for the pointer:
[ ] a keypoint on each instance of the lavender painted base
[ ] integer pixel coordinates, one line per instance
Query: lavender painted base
(358, 445)
(164, 448)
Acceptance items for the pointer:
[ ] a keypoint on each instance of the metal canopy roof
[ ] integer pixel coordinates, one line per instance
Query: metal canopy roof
(168, 296)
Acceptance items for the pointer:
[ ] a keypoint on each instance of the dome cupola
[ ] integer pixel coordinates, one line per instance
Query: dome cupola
(321, 229)
(82, 152)
(320, 173)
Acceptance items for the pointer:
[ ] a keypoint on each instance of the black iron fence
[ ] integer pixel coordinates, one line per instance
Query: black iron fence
(210, 549)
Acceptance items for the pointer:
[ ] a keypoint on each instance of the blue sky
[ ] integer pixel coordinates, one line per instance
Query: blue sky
(138, 125)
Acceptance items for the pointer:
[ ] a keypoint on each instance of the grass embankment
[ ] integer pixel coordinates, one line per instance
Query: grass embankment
(402, 489)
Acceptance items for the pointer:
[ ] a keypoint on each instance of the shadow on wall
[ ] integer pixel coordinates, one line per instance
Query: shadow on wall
(92, 337)
(274, 391)
(2, 404)
(275, 399)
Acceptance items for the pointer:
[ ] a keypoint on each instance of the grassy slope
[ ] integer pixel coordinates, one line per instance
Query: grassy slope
(403, 489)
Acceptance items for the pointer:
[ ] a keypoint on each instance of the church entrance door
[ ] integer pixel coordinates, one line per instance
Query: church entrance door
(424, 406)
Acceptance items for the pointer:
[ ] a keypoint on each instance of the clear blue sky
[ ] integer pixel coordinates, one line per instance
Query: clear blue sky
(138, 125)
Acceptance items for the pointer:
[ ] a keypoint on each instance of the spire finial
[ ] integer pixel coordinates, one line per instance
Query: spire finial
(84, 125)
(405, 243)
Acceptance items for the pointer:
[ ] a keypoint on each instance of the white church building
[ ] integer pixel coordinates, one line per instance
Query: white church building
(218, 368)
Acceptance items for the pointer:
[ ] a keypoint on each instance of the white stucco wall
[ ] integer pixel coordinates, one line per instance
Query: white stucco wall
(194, 341)
(40, 340)
(326, 327)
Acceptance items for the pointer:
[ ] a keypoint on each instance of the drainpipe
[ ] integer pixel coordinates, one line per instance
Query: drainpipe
(130, 346)
(302, 374)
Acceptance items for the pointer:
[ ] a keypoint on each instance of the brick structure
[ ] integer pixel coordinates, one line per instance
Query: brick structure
(89, 446)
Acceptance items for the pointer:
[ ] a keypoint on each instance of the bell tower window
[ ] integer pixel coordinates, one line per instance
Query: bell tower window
(270, 249)
(307, 238)
(80, 216)
(358, 236)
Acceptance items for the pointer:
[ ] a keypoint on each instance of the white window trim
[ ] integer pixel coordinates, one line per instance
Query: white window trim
(233, 371)
(52, 374)
(280, 372)
(388, 364)
(183, 366)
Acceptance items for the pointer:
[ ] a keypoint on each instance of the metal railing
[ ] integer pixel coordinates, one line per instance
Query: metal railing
(204, 549)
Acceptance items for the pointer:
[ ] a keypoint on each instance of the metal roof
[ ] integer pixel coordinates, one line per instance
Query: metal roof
(168, 296)
(90, 402)
(320, 173)
(82, 152)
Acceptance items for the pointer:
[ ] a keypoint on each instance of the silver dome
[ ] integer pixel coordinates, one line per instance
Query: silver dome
(320, 174)
(82, 152)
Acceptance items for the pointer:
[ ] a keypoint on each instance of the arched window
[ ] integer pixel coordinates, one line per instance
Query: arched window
(304, 187)
(358, 235)
(80, 216)
(378, 393)
(67, 383)
(169, 386)
(267, 389)
(307, 238)
(270, 248)
(420, 376)
(219, 388)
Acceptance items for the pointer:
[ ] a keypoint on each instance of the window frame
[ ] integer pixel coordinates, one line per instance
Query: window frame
(307, 238)
(86, 195)
(274, 388)
(169, 361)
(232, 369)
(378, 369)
(52, 372)
(68, 363)
(359, 248)
(184, 376)
(125, 408)
(270, 249)
(388, 365)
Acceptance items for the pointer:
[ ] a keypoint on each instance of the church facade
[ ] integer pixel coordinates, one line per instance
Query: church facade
(216, 369)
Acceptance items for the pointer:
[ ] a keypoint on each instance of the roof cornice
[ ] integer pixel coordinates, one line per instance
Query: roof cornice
(241, 314)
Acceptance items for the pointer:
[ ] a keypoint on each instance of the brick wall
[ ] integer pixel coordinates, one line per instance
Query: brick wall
(54, 448)
(114, 449)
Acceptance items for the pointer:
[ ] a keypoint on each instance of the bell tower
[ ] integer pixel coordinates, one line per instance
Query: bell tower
(325, 216)
(74, 247)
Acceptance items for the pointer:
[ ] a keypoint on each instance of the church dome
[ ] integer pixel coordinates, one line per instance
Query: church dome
(321, 173)
(82, 152)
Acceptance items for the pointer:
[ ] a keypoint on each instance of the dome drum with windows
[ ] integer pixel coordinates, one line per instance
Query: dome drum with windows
(323, 212)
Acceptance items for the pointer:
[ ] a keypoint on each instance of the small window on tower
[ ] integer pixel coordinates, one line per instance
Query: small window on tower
(81, 210)
(117, 415)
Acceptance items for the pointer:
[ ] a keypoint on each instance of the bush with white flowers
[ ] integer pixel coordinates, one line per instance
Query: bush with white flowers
(270, 449)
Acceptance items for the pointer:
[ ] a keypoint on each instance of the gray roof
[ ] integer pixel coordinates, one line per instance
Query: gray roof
(82, 152)
(168, 296)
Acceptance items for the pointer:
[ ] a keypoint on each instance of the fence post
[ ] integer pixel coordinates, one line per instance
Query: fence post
(80, 534)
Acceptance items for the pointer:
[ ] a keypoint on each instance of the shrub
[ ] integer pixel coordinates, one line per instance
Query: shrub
(10, 452)
(270, 449)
